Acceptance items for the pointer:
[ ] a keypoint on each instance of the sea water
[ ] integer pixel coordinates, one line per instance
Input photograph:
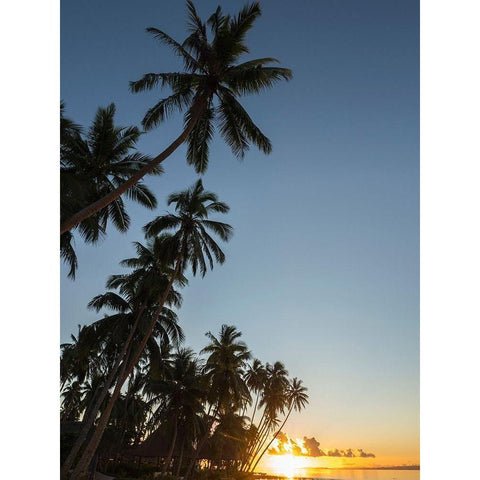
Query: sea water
(351, 474)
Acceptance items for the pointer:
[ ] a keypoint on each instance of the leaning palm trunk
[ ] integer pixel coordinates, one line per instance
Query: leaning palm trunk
(180, 461)
(274, 437)
(170, 451)
(254, 442)
(254, 411)
(260, 441)
(112, 196)
(88, 422)
(200, 445)
(86, 458)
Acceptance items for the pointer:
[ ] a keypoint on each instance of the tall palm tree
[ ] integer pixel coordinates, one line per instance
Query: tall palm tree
(190, 244)
(91, 166)
(207, 91)
(297, 399)
(274, 402)
(134, 306)
(181, 395)
(224, 367)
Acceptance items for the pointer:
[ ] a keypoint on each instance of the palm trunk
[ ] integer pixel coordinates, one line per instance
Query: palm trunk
(254, 411)
(88, 423)
(112, 196)
(87, 456)
(259, 441)
(80, 470)
(200, 445)
(262, 438)
(252, 445)
(170, 451)
(179, 466)
(274, 437)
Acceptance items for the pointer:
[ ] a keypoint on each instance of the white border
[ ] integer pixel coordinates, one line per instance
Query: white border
(450, 238)
(29, 350)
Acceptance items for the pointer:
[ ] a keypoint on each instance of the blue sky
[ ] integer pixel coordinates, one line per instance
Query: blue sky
(322, 272)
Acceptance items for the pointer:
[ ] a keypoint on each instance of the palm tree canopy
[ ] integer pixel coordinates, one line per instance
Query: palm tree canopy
(213, 79)
(225, 366)
(297, 396)
(256, 375)
(275, 392)
(191, 225)
(92, 165)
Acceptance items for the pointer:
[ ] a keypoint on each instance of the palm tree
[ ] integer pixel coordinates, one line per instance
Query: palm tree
(189, 245)
(81, 357)
(255, 378)
(274, 401)
(207, 91)
(224, 367)
(297, 399)
(180, 395)
(71, 403)
(92, 165)
(133, 309)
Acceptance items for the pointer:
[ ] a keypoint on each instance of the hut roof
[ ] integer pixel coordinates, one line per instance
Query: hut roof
(156, 445)
(159, 443)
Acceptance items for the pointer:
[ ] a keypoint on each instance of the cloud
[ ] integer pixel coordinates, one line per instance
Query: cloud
(349, 453)
(363, 454)
(310, 447)
(335, 453)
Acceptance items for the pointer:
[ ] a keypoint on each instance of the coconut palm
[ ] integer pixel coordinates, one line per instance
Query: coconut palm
(227, 359)
(207, 91)
(134, 306)
(180, 396)
(255, 378)
(81, 357)
(71, 401)
(92, 165)
(189, 244)
(297, 399)
(225, 368)
(274, 402)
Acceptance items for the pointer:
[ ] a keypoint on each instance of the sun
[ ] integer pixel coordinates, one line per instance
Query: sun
(285, 465)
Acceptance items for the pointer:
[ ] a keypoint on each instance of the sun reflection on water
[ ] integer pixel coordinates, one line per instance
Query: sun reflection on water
(285, 465)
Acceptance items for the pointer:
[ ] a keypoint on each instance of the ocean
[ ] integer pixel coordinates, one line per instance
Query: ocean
(343, 474)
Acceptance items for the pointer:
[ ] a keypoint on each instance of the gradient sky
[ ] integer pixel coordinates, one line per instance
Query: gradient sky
(322, 272)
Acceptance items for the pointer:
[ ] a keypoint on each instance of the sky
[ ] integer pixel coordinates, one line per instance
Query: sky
(323, 270)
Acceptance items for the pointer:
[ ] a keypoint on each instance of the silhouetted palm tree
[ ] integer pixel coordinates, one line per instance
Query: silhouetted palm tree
(207, 91)
(274, 402)
(189, 245)
(224, 368)
(297, 399)
(134, 306)
(255, 378)
(91, 166)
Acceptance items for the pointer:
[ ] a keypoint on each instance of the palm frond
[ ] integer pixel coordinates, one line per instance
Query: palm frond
(166, 107)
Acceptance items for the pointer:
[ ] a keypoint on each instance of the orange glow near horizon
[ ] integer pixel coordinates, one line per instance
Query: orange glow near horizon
(295, 457)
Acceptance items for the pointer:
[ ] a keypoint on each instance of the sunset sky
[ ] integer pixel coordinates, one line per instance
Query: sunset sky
(322, 272)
